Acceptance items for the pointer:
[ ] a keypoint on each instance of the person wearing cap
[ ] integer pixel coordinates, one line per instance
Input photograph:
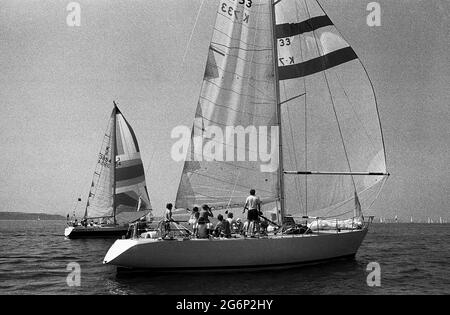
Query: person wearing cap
(205, 213)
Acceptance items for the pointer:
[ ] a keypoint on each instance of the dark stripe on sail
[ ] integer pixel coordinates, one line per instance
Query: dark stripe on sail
(292, 29)
(315, 65)
(124, 173)
(127, 200)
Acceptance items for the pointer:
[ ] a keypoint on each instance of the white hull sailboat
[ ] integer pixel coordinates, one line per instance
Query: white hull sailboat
(118, 195)
(284, 251)
(286, 108)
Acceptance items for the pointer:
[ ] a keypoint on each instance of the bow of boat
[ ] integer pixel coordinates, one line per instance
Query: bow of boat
(119, 247)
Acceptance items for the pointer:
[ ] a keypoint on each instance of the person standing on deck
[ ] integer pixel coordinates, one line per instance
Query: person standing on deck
(167, 219)
(195, 215)
(253, 205)
(205, 213)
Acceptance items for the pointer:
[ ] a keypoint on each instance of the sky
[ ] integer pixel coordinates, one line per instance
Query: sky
(57, 84)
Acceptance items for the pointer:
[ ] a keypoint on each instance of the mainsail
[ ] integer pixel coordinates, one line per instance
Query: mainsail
(118, 187)
(316, 92)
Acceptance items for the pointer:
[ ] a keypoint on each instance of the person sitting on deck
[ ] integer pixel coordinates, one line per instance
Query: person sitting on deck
(230, 218)
(264, 225)
(238, 226)
(223, 228)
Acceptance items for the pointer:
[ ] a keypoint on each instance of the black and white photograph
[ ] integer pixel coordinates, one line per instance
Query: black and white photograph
(225, 153)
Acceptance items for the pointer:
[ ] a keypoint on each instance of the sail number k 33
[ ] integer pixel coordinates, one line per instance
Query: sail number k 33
(283, 61)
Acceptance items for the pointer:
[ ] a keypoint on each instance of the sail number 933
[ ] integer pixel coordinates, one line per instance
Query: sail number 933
(248, 3)
(239, 15)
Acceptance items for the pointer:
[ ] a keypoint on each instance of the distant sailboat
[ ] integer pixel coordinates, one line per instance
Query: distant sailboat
(118, 193)
(282, 68)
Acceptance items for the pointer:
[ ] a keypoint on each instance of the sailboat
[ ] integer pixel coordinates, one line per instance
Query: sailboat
(279, 76)
(118, 194)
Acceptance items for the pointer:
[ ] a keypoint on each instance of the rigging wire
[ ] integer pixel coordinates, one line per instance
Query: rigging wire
(332, 103)
(234, 188)
(371, 85)
(192, 31)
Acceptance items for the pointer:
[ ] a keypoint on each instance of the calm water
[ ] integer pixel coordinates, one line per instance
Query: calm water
(414, 259)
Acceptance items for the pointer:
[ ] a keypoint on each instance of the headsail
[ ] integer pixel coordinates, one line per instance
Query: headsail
(128, 178)
(238, 92)
(329, 114)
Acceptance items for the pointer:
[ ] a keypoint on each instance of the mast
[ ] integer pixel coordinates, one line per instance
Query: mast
(278, 113)
(114, 160)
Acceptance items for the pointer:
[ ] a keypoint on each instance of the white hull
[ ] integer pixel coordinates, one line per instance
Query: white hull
(95, 232)
(235, 253)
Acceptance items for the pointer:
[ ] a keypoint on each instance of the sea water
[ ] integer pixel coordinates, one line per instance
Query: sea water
(35, 258)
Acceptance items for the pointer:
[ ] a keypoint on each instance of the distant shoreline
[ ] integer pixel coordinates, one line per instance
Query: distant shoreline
(24, 216)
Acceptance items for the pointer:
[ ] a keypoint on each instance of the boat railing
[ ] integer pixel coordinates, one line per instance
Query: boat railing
(329, 224)
(304, 225)
(170, 229)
